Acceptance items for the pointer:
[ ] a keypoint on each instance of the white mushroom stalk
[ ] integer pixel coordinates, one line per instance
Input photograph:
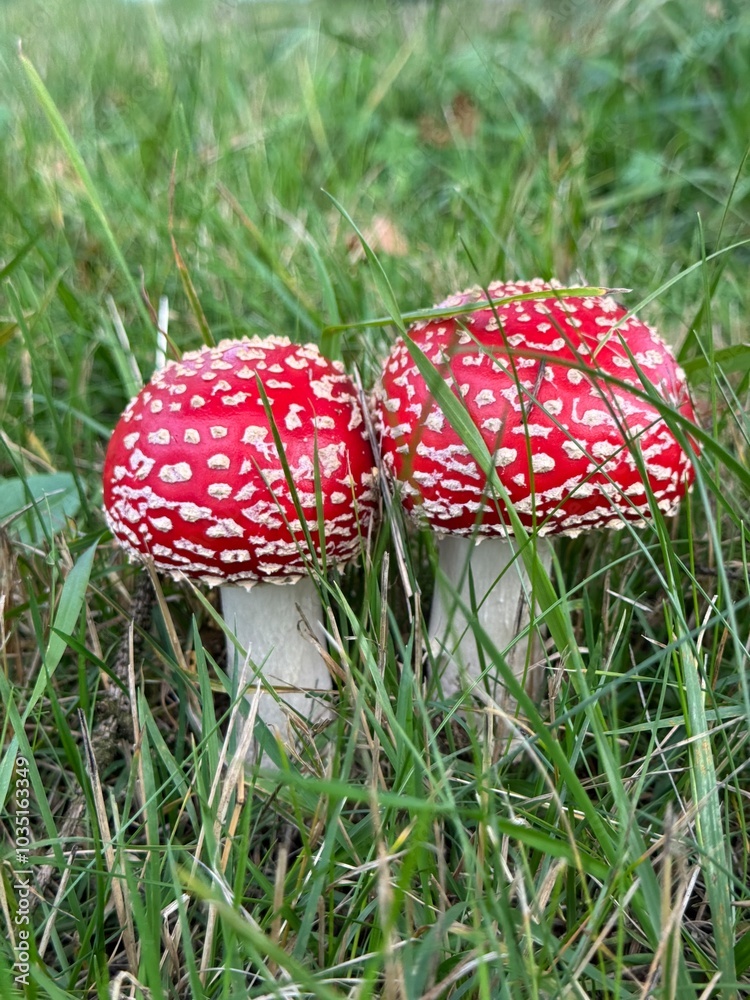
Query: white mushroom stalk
(242, 465)
(561, 389)
(272, 622)
(487, 579)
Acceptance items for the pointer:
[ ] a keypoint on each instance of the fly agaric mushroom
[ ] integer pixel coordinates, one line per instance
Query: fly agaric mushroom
(569, 446)
(193, 478)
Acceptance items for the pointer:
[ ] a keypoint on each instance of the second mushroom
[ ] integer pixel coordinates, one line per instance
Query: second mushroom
(549, 384)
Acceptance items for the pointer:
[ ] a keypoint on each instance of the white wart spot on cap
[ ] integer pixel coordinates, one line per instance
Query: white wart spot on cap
(140, 464)
(595, 418)
(236, 400)
(505, 456)
(435, 420)
(492, 424)
(178, 473)
(297, 363)
(485, 397)
(329, 458)
(236, 555)
(400, 430)
(355, 418)
(573, 449)
(246, 492)
(225, 527)
(254, 435)
(219, 491)
(532, 430)
(542, 462)
(218, 462)
(248, 353)
(324, 423)
(192, 512)
(605, 449)
(292, 420)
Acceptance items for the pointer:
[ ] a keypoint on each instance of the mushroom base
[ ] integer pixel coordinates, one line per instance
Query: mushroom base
(268, 622)
(497, 577)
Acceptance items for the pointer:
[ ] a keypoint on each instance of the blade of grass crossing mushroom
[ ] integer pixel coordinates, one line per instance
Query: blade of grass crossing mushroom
(452, 311)
(393, 514)
(285, 464)
(169, 626)
(319, 566)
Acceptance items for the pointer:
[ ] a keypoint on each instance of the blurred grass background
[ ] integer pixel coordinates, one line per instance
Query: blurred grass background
(598, 142)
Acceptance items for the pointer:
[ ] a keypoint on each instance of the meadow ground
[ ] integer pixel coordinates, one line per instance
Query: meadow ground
(191, 150)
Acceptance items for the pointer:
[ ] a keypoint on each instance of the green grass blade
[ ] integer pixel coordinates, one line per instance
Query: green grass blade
(65, 139)
(708, 822)
(68, 611)
(381, 278)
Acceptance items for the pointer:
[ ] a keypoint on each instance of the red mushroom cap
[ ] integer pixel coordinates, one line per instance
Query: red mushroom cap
(580, 432)
(192, 476)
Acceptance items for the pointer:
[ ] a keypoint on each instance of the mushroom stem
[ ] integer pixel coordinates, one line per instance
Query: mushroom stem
(501, 592)
(267, 620)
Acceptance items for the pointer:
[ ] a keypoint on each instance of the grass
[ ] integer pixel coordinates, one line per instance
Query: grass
(198, 152)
